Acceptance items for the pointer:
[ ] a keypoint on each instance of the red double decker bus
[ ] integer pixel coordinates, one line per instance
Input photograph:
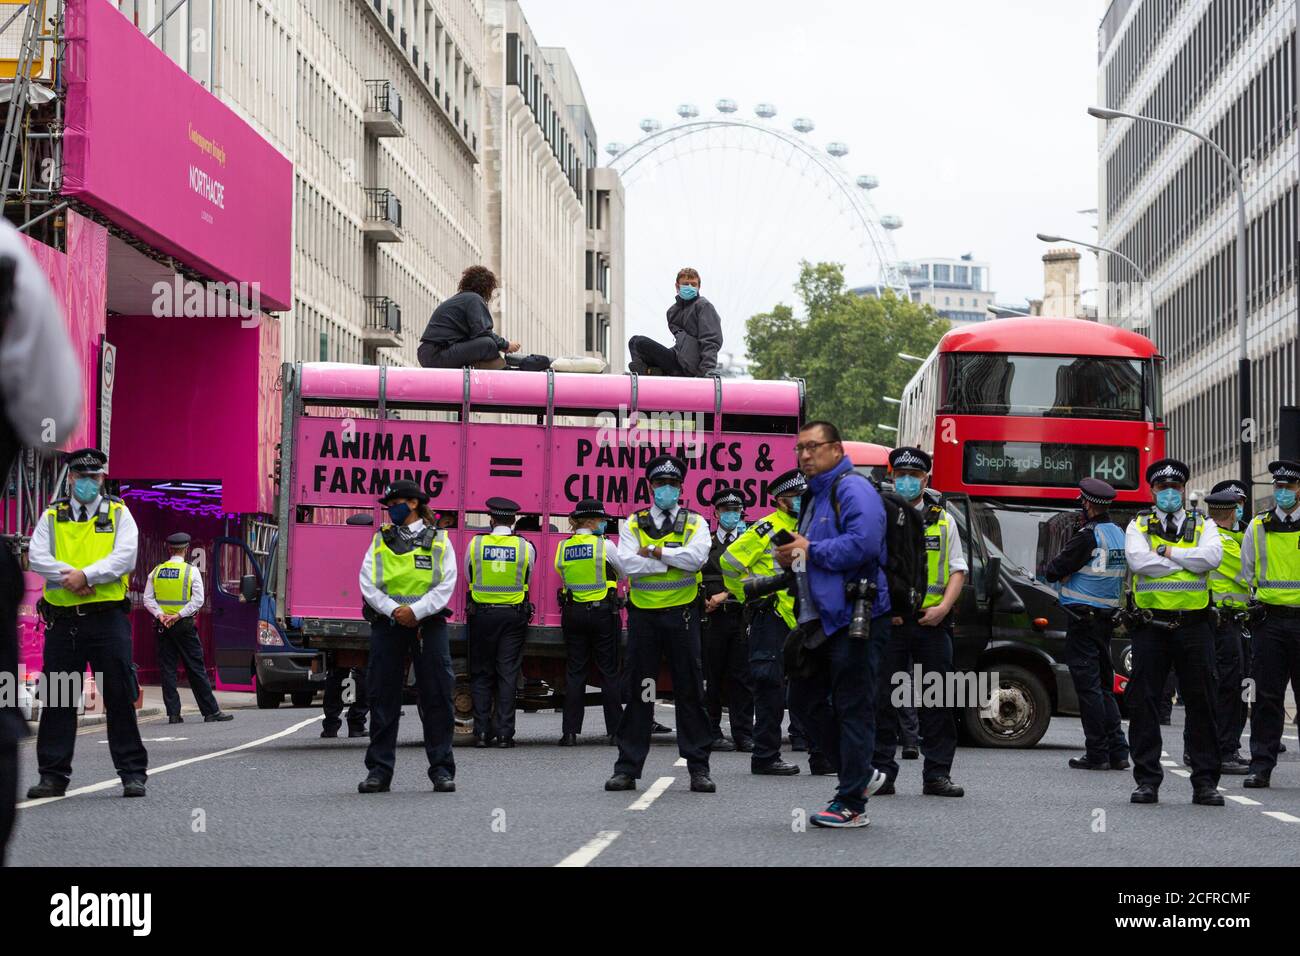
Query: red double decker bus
(1015, 412)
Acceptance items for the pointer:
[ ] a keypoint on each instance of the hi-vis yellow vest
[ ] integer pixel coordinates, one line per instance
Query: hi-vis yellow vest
(81, 544)
(674, 587)
(498, 569)
(753, 555)
(580, 562)
(1277, 561)
(937, 529)
(173, 585)
(1182, 591)
(1225, 580)
(407, 570)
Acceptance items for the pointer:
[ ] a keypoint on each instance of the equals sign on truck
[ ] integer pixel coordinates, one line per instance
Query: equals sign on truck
(505, 468)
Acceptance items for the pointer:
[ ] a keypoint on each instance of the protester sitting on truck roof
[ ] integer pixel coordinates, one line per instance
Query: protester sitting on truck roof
(460, 333)
(697, 334)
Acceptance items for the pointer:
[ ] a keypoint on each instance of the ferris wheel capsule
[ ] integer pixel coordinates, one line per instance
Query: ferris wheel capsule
(891, 222)
(803, 124)
(867, 182)
(650, 126)
(726, 106)
(613, 149)
(837, 150)
(765, 110)
(688, 111)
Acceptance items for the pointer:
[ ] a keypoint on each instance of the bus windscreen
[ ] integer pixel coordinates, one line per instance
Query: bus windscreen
(1047, 385)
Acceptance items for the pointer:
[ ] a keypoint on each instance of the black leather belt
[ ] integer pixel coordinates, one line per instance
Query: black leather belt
(1181, 617)
(602, 605)
(1281, 610)
(56, 612)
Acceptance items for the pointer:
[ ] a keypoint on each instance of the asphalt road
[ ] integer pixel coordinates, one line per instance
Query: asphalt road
(264, 789)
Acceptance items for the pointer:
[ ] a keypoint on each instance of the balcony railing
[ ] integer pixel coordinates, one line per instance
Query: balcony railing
(384, 206)
(382, 326)
(383, 116)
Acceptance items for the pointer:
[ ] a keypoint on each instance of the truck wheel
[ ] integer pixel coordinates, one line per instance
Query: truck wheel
(1019, 715)
(268, 700)
(302, 698)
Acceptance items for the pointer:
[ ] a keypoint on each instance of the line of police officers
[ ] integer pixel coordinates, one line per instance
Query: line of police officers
(1204, 590)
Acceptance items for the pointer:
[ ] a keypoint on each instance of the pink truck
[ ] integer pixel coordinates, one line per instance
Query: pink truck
(544, 439)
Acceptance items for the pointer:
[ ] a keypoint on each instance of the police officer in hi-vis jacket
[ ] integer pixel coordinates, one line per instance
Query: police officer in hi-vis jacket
(1231, 597)
(662, 549)
(85, 548)
(407, 579)
(588, 570)
(1171, 551)
(1270, 562)
(723, 634)
(1089, 577)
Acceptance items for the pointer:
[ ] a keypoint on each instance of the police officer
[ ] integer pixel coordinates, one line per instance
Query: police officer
(771, 618)
(723, 634)
(925, 639)
(1170, 551)
(1270, 561)
(662, 549)
(173, 594)
(1089, 577)
(336, 678)
(407, 579)
(85, 547)
(588, 570)
(499, 564)
(1231, 597)
(1237, 534)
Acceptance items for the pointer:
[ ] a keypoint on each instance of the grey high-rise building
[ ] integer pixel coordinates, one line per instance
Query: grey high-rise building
(1228, 69)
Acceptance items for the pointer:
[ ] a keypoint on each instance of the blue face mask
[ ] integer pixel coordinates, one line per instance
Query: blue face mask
(687, 292)
(600, 527)
(85, 490)
(399, 512)
(729, 519)
(1284, 497)
(909, 486)
(796, 505)
(1241, 512)
(1169, 499)
(666, 496)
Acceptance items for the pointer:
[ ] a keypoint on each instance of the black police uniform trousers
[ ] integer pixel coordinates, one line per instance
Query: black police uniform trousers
(836, 704)
(726, 671)
(181, 641)
(1189, 650)
(1229, 670)
(591, 630)
(1276, 660)
(427, 648)
(102, 640)
(767, 634)
(652, 634)
(1088, 633)
(496, 633)
(333, 704)
(931, 648)
(12, 726)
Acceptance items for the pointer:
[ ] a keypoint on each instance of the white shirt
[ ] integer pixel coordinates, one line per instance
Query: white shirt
(1248, 544)
(1199, 559)
(434, 600)
(120, 561)
(689, 557)
(41, 383)
(196, 591)
(956, 557)
(611, 554)
(500, 529)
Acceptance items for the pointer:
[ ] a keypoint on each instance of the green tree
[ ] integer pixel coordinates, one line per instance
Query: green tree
(845, 348)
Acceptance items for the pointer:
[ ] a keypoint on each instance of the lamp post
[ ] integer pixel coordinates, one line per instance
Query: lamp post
(911, 358)
(1243, 358)
(1142, 276)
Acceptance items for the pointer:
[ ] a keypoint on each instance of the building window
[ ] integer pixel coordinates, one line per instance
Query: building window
(324, 347)
(942, 273)
(961, 275)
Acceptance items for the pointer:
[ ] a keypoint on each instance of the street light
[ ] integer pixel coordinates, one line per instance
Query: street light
(1243, 359)
(911, 358)
(1000, 312)
(888, 428)
(891, 401)
(1142, 276)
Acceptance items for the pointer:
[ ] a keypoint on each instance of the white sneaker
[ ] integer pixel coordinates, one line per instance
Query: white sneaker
(875, 783)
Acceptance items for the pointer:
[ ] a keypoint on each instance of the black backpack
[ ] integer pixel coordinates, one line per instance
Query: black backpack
(905, 564)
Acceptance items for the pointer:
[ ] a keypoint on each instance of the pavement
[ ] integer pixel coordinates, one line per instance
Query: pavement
(265, 789)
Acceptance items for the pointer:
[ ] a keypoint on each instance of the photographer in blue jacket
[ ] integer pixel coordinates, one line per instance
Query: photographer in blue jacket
(839, 562)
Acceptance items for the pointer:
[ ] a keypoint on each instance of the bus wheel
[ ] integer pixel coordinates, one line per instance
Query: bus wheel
(268, 700)
(302, 698)
(1018, 715)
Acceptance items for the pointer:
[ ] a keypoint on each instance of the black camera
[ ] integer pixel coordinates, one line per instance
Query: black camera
(862, 593)
(756, 588)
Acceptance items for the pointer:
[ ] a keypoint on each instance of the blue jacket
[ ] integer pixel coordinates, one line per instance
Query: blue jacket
(837, 556)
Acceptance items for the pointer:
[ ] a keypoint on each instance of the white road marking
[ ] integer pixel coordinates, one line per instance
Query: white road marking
(108, 784)
(1182, 773)
(653, 794)
(1244, 801)
(591, 850)
(1279, 815)
(1168, 763)
(156, 740)
(679, 762)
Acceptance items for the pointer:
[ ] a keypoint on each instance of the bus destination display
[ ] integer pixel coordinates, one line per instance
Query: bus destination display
(1050, 465)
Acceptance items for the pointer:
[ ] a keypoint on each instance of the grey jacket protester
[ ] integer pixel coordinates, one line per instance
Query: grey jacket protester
(697, 329)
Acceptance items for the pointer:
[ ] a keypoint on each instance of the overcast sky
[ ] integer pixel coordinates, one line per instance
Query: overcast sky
(970, 112)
